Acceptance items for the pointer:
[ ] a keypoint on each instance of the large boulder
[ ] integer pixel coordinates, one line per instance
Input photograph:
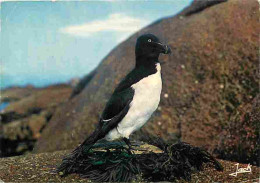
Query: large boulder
(240, 138)
(211, 72)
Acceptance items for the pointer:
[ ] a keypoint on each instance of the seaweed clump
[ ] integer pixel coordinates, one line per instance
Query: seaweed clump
(119, 164)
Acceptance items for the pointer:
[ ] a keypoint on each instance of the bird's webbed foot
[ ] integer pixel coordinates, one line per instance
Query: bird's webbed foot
(128, 143)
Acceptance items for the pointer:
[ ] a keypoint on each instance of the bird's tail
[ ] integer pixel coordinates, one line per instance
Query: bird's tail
(73, 158)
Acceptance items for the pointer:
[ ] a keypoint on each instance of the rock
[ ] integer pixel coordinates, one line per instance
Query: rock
(40, 168)
(30, 125)
(241, 137)
(82, 83)
(10, 116)
(198, 6)
(213, 52)
(24, 119)
(16, 93)
(20, 135)
(41, 98)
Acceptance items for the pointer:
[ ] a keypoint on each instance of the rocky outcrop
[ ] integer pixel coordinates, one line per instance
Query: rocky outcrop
(211, 72)
(41, 167)
(40, 98)
(30, 110)
(19, 136)
(16, 93)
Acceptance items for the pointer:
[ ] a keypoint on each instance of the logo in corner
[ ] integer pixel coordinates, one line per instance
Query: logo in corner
(242, 170)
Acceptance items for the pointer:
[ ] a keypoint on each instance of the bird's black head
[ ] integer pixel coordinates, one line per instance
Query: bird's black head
(149, 46)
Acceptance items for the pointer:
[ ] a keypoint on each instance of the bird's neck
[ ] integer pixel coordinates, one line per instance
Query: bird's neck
(146, 61)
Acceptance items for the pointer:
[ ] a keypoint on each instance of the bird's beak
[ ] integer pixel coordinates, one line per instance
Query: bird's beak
(165, 49)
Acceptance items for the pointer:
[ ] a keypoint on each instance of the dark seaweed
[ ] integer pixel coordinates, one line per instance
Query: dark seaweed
(119, 164)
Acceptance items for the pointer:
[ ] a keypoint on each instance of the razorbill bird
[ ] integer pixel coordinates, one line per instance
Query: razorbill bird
(135, 98)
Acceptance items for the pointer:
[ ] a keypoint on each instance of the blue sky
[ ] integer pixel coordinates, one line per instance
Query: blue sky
(50, 42)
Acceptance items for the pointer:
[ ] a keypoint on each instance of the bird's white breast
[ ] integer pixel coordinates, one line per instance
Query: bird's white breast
(146, 99)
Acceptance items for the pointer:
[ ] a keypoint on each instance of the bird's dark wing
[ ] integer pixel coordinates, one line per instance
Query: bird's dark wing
(118, 105)
(115, 110)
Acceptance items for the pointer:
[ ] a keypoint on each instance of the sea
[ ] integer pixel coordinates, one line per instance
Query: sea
(3, 105)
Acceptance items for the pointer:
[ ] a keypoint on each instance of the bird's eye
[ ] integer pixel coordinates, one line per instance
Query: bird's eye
(149, 40)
